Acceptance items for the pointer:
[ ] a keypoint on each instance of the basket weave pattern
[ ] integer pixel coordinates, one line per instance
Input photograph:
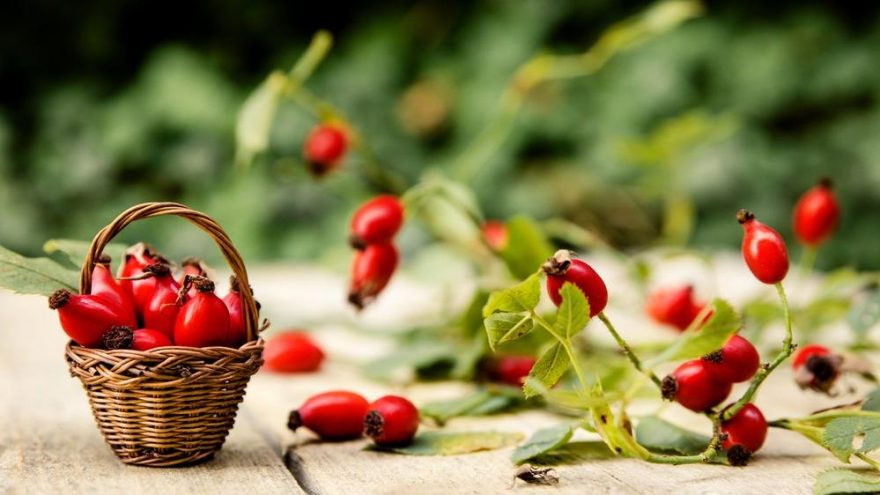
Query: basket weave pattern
(168, 406)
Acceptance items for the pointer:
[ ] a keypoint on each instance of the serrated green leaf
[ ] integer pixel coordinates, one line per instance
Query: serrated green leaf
(696, 342)
(865, 312)
(523, 296)
(527, 247)
(845, 436)
(34, 275)
(441, 443)
(505, 327)
(661, 436)
(542, 441)
(844, 482)
(573, 453)
(75, 251)
(547, 370)
(479, 403)
(872, 401)
(574, 312)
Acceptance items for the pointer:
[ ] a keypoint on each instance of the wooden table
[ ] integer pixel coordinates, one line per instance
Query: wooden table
(49, 442)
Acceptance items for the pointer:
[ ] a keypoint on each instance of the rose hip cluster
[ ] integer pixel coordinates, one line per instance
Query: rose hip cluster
(147, 307)
(372, 231)
(341, 415)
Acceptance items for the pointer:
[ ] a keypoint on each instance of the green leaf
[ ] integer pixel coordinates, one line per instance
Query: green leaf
(574, 312)
(441, 443)
(865, 312)
(574, 453)
(527, 247)
(34, 275)
(659, 435)
(696, 342)
(872, 401)
(844, 482)
(504, 327)
(75, 251)
(845, 436)
(480, 403)
(523, 296)
(542, 441)
(405, 360)
(547, 370)
(254, 123)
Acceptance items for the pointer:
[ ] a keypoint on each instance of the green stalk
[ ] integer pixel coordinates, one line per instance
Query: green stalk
(637, 363)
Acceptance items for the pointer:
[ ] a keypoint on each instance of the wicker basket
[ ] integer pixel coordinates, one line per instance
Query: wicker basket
(169, 406)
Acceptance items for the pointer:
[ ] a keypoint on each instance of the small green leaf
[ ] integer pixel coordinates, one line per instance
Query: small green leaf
(541, 442)
(504, 327)
(482, 402)
(527, 247)
(696, 342)
(872, 401)
(442, 443)
(659, 435)
(547, 370)
(523, 296)
(845, 436)
(844, 482)
(574, 312)
(574, 453)
(34, 275)
(865, 312)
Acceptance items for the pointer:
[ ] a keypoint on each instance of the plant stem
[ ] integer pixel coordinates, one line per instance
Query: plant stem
(764, 372)
(566, 344)
(808, 259)
(315, 53)
(867, 460)
(637, 363)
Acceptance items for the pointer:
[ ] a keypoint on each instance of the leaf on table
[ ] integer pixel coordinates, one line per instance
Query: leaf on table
(573, 453)
(659, 435)
(574, 312)
(696, 342)
(865, 312)
(844, 482)
(848, 435)
(408, 358)
(523, 296)
(542, 441)
(872, 401)
(479, 403)
(527, 247)
(34, 275)
(547, 370)
(454, 443)
(505, 327)
(75, 251)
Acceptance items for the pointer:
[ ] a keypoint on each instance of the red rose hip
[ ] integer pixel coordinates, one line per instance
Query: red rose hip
(85, 318)
(237, 332)
(674, 306)
(105, 286)
(376, 222)
(292, 352)
(562, 268)
(391, 421)
(816, 214)
(692, 386)
(370, 273)
(142, 339)
(335, 415)
(495, 234)
(736, 362)
(324, 148)
(161, 307)
(512, 370)
(744, 434)
(204, 320)
(763, 249)
(137, 258)
(816, 367)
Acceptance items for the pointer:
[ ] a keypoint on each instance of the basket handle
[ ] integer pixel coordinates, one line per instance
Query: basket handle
(200, 220)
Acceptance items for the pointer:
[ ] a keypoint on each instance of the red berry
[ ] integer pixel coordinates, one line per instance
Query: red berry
(292, 352)
(137, 258)
(816, 367)
(816, 214)
(512, 370)
(142, 339)
(736, 362)
(370, 272)
(562, 268)
(692, 386)
(763, 249)
(204, 320)
(376, 222)
(336, 415)
(237, 333)
(745, 433)
(324, 148)
(495, 234)
(674, 306)
(391, 421)
(85, 318)
(161, 308)
(105, 286)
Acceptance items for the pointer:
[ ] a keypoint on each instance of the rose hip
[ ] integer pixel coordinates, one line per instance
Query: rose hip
(816, 367)
(376, 222)
(736, 362)
(194, 267)
(105, 286)
(391, 421)
(161, 308)
(694, 387)
(744, 434)
(324, 148)
(512, 370)
(292, 352)
(763, 249)
(370, 273)
(237, 334)
(137, 258)
(816, 214)
(495, 234)
(562, 268)
(85, 318)
(674, 306)
(142, 339)
(203, 321)
(335, 415)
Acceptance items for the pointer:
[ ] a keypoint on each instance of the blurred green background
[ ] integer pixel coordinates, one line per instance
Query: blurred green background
(106, 104)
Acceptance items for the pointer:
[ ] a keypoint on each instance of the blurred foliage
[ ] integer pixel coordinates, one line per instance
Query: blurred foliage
(107, 104)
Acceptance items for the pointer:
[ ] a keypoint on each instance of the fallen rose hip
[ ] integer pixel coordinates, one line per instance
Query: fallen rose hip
(512, 370)
(495, 234)
(292, 352)
(736, 362)
(816, 214)
(674, 306)
(370, 273)
(335, 415)
(142, 339)
(562, 268)
(105, 286)
(85, 318)
(391, 421)
(203, 321)
(744, 434)
(763, 249)
(816, 367)
(376, 222)
(324, 148)
(692, 386)
(161, 308)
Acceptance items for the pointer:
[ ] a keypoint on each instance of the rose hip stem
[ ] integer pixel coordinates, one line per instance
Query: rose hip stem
(624, 346)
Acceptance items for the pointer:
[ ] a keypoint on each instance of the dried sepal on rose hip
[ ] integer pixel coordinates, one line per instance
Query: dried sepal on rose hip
(674, 306)
(335, 415)
(376, 222)
(85, 318)
(292, 352)
(743, 434)
(763, 249)
(131, 279)
(391, 421)
(194, 267)
(817, 368)
(161, 307)
(371, 271)
(562, 268)
(737, 361)
(324, 148)
(816, 214)
(694, 387)
(142, 339)
(203, 320)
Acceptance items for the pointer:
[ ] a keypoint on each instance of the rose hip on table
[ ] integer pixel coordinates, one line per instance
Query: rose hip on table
(292, 352)
(334, 415)
(391, 421)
